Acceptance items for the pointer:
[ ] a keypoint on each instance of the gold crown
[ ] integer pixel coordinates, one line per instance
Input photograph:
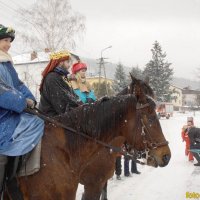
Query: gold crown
(60, 54)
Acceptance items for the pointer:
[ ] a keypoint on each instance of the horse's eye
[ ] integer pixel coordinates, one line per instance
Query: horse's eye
(151, 119)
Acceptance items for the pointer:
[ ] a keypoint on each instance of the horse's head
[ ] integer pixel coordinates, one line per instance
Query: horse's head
(143, 84)
(150, 137)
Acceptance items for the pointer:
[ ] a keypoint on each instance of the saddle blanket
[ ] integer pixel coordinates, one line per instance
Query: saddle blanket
(32, 165)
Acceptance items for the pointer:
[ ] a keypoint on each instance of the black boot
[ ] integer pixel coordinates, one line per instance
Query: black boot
(134, 168)
(196, 155)
(197, 164)
(3, 162)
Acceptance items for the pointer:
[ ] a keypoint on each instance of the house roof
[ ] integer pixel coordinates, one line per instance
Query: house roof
(26, 58)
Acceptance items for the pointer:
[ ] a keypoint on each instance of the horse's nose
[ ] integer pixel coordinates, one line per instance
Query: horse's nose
(166, 159)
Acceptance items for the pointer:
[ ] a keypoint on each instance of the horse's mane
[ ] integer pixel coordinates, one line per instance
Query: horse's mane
(99, 119)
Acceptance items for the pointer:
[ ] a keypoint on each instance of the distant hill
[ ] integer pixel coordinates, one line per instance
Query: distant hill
(183, 82)
(93, 69)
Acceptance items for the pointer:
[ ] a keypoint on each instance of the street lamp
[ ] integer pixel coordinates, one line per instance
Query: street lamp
(101, 64)
(105, 49)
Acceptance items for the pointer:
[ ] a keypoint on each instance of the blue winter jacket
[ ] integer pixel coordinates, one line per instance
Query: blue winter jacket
(13, 94)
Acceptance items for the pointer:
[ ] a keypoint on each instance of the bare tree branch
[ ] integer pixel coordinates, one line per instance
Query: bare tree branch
(51, 24)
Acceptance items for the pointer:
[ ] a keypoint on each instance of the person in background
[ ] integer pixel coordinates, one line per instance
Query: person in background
(57, 95)
(80, 85)
(185, 137)
(133, 167)
(20, 132)
(118, 166)
(194, 136)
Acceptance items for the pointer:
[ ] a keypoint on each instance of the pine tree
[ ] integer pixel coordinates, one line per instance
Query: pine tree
(159, 72)
(102, 89)
(120, 81)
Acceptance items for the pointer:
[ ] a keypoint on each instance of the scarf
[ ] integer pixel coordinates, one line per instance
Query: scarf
(5, 57)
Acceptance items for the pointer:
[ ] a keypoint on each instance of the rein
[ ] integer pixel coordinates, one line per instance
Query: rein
(112, 149)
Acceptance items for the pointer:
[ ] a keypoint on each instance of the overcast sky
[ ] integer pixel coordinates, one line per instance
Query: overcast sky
(132, 26)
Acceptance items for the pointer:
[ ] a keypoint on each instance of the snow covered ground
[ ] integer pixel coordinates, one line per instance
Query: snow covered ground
(168, 183)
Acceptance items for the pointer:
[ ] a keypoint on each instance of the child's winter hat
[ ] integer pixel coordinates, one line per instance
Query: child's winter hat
(7, 32)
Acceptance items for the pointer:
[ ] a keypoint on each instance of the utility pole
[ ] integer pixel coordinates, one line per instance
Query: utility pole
(102, 66)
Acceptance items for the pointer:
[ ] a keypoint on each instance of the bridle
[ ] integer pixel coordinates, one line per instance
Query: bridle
(149, 144)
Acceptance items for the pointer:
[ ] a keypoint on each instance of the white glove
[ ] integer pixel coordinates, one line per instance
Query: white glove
(30, 103)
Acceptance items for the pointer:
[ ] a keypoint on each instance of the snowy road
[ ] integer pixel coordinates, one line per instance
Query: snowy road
(168, 183)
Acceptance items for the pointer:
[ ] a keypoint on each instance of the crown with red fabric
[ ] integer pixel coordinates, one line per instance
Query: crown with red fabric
(78, 66)
(56, 58)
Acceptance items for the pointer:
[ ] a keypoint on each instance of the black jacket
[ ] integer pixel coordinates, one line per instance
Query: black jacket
(194, 135)
(57, 96)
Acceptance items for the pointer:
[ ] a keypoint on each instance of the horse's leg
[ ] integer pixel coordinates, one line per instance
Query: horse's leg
(91, 192)
(104, 192)
(71, 194)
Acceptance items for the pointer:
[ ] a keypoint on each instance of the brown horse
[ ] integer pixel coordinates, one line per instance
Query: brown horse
(68, 159)
(136, 86)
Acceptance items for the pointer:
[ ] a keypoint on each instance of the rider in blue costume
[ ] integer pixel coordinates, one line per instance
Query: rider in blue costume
(20, 132)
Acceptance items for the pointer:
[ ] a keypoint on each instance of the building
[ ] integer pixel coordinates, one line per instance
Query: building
(184, 98)
(177, 96)
(95, 79)
(190, 97)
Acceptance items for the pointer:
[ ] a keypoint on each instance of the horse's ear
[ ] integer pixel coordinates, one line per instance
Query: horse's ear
(138, 89)
(134, 80)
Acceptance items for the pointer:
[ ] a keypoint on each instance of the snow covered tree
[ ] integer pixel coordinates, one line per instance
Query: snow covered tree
(159, 72)
(50, 24)
(120, 81)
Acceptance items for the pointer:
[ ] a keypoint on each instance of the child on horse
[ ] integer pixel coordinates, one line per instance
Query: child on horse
(20, 132)
(57, 96)
(80, 85)
(185, 137)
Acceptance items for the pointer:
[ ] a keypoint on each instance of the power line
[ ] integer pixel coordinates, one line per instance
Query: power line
(17, 3)
(20, 16)
(6, 15)
(8, 6)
